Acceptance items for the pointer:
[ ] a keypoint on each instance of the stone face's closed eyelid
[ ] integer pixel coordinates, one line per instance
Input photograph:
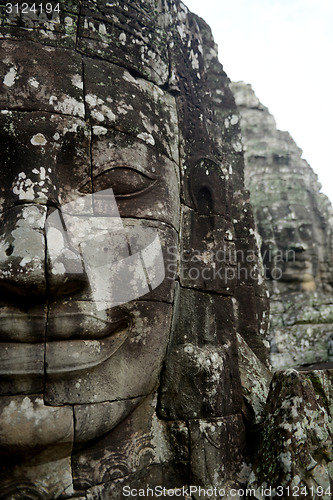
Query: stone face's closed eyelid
(125, 179)
(124, 164)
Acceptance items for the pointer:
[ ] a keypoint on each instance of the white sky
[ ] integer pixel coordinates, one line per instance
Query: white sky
(284, 49)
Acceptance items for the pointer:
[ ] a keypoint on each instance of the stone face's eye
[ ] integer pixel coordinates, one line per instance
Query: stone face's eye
(306, 232)
(125, 181)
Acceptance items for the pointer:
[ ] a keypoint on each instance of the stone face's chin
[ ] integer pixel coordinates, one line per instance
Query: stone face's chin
(28, 426)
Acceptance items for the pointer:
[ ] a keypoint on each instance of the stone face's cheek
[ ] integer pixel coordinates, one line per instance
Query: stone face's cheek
(43, 157)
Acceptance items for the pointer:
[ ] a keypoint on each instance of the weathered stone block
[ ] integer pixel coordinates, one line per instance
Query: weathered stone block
(126, 35)
(218, 452)
(138, 444)
(201, 368)
(41, 24)
(202, 319)
(201, 382)
(207, 253)
(255, 379)
(245, 312)
(295, 448)
(113, 97)
(300, 329)
(242, 214)
(56, 86)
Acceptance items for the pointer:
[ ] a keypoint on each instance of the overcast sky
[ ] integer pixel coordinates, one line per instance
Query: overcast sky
(284, 49)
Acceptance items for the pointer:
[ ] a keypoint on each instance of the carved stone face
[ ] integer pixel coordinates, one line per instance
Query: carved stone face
(65, 347)
(289, 250)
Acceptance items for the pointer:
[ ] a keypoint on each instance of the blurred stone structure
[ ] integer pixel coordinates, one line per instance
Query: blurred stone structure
(294, 220)
(292, 438)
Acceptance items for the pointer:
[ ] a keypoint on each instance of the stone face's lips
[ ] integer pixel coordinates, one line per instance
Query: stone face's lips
(22, 327)
(84, 326)
(65, 357)
(27, 328)
(19, 359)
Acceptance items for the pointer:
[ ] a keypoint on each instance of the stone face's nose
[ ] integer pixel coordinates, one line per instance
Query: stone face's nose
(35, 263)
(65, 271)
(22, 251)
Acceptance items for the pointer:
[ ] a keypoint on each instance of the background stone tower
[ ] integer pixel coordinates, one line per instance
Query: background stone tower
(294, 220)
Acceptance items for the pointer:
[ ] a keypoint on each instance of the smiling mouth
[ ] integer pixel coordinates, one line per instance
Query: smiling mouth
(72, 356)
(64, 357)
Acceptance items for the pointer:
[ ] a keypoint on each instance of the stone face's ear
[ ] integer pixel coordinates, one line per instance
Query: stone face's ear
(207, 186)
